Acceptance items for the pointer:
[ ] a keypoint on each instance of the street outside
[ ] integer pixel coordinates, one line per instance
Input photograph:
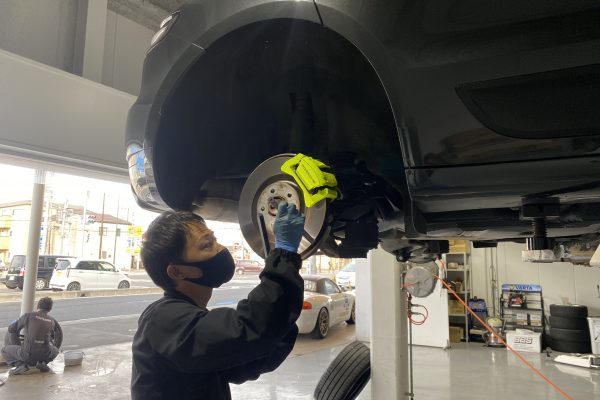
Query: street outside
(97, 321)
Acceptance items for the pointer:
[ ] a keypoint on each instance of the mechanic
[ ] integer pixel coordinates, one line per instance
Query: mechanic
(38, 347)
(181, 350)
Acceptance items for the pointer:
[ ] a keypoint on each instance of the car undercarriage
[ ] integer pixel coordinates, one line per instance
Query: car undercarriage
(435, 139)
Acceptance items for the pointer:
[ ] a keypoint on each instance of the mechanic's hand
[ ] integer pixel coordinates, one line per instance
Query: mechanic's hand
(288, 227)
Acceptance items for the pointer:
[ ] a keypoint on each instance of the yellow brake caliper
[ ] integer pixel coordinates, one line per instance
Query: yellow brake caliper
(313, 177)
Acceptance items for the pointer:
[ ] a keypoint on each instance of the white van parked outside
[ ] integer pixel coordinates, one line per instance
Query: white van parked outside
(83, 274)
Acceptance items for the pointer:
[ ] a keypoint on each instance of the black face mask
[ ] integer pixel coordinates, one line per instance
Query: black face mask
(216, 271)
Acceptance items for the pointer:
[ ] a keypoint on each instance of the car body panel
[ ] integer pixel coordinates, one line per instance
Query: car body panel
(338, 303)
(15, 277)
(248, 266)
(347, 276)
(424, 52)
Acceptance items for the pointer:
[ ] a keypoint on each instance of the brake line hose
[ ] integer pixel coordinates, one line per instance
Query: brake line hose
(544, 377)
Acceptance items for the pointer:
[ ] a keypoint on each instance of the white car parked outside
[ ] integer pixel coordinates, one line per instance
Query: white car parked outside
(347, 276)
(83, 274)
(325, 305)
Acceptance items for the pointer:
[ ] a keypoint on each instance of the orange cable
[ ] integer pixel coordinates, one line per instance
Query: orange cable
(554, 385)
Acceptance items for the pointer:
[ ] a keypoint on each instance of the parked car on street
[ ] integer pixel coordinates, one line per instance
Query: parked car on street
(16, 271)
(248, 267)
(325, 305)
(83, 274)
(347, 276)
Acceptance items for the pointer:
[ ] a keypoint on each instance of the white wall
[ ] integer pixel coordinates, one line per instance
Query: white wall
(52, 32)
(124, 52)
(42, 30)
(561, 282)
(56, 117)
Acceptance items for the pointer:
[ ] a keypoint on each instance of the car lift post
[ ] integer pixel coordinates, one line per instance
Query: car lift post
(33, 241)
(389, 328)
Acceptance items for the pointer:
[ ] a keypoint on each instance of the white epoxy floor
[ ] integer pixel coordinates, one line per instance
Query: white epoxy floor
(466, 372)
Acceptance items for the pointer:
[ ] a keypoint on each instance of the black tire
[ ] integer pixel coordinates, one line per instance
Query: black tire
(352, 319)
(73, 286)
(570, 335)
(571, 347)
(568, 323)
(41, 283)
(347, 374)
(568, 311)
(123, 285)
(322, 325)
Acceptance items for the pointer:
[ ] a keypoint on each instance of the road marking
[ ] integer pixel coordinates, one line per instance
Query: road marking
(98, 319)
(225, 303)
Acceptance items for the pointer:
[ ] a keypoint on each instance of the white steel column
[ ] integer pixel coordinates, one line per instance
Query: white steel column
(363, 300)
(389, 344)
(95, 36)
(33, 241)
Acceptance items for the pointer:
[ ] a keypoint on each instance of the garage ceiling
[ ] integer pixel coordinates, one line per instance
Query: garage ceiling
(148, 13)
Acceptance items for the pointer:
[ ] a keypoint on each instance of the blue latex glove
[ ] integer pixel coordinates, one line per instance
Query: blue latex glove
(288, 227)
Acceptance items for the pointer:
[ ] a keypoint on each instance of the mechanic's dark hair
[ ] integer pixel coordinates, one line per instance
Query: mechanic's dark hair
(45, 303)
(164, 243)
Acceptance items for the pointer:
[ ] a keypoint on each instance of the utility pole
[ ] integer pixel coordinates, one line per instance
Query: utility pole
(49, 226)
(116, 232)
(101, 226)
(84, 222)
(62, 226)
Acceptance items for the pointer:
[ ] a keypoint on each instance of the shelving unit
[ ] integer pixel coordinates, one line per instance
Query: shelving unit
(458, 269)
(528, 314)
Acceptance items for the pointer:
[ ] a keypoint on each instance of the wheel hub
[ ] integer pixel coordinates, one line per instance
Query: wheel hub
(264, 189)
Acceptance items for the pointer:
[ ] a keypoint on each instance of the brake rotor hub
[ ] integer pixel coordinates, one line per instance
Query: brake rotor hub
(264, 189)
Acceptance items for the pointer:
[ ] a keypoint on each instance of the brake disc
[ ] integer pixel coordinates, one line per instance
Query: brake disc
(266, 186)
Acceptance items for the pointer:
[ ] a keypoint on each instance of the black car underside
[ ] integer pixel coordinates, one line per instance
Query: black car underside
(291, 87)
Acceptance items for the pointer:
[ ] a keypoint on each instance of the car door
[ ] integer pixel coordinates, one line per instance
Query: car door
(339, 303)
(255, 266)
(108, 277)
(86, 274)
(47, 267)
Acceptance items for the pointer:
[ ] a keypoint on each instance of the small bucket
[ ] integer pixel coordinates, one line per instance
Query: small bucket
(73, 357)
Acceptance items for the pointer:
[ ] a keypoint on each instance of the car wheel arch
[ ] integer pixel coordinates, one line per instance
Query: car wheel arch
(183, 196)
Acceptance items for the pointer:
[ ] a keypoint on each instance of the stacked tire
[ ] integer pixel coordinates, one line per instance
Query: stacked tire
(569, 331)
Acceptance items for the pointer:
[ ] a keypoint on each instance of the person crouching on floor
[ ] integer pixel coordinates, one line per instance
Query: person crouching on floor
(38, 348)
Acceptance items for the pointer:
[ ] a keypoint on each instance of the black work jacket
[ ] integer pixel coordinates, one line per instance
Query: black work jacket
(38, 343)
(181, 351)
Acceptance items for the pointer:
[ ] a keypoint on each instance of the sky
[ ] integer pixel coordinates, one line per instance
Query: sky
(16, 184)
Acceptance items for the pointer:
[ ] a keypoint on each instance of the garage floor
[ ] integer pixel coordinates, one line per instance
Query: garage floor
(466, 371)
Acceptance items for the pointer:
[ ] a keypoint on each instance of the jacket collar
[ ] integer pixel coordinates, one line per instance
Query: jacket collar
(174, 294)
